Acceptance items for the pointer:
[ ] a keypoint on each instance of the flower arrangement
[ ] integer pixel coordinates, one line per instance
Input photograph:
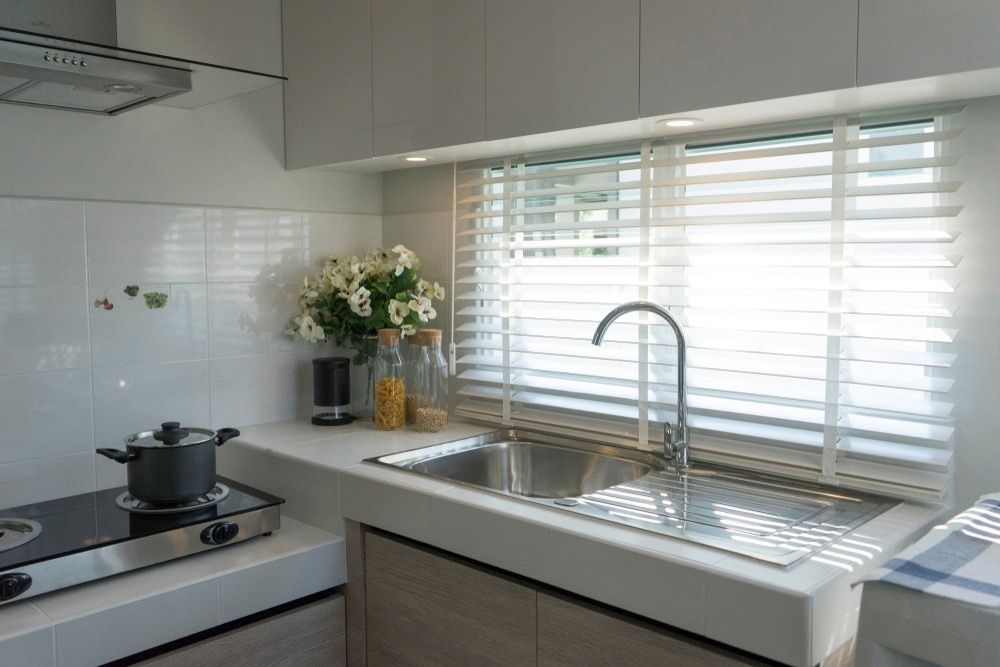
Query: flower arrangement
(352, 298)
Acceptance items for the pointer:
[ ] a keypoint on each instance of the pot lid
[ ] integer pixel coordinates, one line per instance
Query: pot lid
(170, 434)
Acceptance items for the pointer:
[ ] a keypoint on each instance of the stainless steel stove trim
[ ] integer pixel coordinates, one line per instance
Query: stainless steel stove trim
(99, 562)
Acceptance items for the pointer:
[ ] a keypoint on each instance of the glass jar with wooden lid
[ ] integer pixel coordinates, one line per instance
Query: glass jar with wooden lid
(390, 386)
(431, 387)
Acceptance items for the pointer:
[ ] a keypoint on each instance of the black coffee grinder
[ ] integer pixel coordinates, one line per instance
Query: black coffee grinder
(332, 391)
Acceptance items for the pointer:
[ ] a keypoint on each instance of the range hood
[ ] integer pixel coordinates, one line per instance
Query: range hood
(70, 73)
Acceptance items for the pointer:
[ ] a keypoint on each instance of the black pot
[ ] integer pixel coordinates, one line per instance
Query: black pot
(172, 465)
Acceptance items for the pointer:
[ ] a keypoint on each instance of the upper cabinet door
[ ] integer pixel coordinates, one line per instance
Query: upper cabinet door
(326, 46)
(558, 64)
(429, 63)
(698, 54)
(909, 39)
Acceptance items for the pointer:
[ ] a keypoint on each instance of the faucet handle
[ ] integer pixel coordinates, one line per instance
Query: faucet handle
(669, 440)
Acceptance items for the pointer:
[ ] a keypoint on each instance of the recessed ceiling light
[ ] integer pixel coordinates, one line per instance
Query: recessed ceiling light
(678, 122)
(415, 158)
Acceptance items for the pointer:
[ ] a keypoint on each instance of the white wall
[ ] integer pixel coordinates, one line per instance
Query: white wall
(977, 369)
(214, 221)
(415, 213)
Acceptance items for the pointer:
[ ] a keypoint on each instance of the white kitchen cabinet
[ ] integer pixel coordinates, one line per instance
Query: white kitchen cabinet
(328, 95)
(559, 64)
(909, 39)
(428, 62)
(699, 55)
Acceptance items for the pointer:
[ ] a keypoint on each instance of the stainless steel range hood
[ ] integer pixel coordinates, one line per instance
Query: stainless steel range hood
(83, 69)
(80, 80)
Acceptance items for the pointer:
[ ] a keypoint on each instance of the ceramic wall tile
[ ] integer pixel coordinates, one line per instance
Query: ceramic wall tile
(132, 333)
(42, 243)
(259, 389)
(250, 318)
(261, 246)
(35, 480)
(128, 399)
(45, 414)
(142, 623)
(145, 243)
(325, 234)
(44, 328)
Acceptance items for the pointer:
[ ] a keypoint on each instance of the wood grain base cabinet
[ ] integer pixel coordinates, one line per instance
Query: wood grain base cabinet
(417, 605)
(307, 636)
(426, 609)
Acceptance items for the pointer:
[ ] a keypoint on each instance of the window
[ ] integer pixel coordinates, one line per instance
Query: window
(810, 270)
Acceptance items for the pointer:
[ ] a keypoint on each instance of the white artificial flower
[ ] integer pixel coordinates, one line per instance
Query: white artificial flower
(406, 258)
(403, 263)
(423, 288)
(361, 302)
(423, 308)
(438, 292)
(397, 311)
(309, 330)
(407, 330)
(307, 290)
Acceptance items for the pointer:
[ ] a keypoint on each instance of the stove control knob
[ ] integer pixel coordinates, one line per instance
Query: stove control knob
(13, 584)
(220, 533)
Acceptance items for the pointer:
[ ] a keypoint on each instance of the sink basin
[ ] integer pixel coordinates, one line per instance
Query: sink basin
(532, 469)
(766, 517)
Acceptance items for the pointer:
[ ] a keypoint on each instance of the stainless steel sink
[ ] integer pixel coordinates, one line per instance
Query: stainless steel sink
(533, 469)
(766, 517)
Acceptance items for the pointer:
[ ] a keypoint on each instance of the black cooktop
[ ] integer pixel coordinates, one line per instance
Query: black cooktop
(90, 520)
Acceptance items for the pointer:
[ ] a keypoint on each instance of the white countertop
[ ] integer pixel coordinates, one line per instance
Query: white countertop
(797, 615)
(116, 617)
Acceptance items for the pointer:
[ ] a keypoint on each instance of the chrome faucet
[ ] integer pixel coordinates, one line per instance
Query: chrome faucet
(675, 437)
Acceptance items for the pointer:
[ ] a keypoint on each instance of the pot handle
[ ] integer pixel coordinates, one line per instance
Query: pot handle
(116, 454)
(224, 434)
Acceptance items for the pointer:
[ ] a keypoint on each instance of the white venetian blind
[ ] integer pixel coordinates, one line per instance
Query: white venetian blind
(811, 270)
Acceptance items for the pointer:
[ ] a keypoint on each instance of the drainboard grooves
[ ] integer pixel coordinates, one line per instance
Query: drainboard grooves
(787, 506)
(664, 497)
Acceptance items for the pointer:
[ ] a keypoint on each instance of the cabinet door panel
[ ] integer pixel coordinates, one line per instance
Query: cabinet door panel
(425, 609)
(328, 95)
(699, 55)
(558, 64)
(909, 39)
(575, 634)
(429, 63)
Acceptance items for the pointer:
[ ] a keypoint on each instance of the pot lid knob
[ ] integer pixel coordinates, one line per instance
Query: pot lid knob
(171, 433)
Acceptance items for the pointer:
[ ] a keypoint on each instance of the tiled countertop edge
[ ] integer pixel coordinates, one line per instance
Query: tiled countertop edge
(118, 616)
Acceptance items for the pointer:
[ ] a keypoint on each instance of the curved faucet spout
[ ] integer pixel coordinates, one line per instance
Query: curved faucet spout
(675, 437)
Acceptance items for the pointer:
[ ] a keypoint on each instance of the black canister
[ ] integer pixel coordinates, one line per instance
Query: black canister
(332, 391)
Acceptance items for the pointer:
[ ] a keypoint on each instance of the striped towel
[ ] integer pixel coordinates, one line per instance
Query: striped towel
(958, 560)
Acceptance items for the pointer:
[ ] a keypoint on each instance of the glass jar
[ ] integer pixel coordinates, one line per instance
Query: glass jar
(431, 411)
(412, 363)
(389, 382)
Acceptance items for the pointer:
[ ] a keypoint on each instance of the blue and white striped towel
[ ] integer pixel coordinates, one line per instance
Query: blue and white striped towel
(958, 560)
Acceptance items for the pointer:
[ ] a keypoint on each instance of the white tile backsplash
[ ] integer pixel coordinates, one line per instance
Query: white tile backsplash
(260, 389)
(43, 243)
(74, 377)
(43, 329)
(136, 335)
(263, 246)
(34, 480)
(251, 318)
(144, 243)
(128, 399)
(45, 414)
